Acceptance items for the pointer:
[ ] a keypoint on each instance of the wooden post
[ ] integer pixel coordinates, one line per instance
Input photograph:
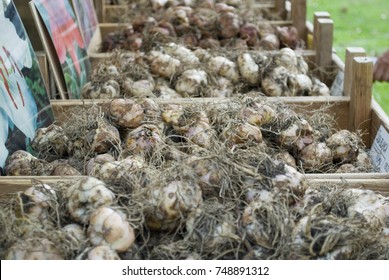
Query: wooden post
(351, 52)
(316, 17)
(323, 49)
(361, 97)
(299, 17)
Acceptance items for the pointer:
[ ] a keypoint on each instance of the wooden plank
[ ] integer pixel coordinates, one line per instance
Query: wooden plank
(316, 17)
(299, 17)
(346, 176)
(301, 100)
(281, 22)
(269, 5)
(12, 184)
(380, 186)
(351, 52)
(324, 43)
(361, 97)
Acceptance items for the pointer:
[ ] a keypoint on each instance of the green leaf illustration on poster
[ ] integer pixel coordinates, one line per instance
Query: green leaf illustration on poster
(24, 102)
(69, 45)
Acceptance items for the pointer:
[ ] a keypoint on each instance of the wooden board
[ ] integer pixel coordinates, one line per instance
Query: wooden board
(299, 17)
(338, 106)
(12, 184)
(375, 182)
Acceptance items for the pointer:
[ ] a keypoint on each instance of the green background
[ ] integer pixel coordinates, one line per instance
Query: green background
(359, 23)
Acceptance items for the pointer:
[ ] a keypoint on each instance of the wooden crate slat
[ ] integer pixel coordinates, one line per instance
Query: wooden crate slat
(12, 184)
(360, 103)
(380, 184)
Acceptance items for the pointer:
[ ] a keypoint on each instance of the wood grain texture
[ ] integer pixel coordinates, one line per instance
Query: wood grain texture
(44, 67)
(375, 182)
(361, 97)
(380, 186)
(324, 42)
(351, 52)
(12, 184)
(316, 17)
(336, 106)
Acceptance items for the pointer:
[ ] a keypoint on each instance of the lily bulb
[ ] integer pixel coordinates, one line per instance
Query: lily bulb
(18, 104)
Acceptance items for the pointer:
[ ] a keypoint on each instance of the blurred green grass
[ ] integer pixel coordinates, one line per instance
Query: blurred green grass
(359, 23)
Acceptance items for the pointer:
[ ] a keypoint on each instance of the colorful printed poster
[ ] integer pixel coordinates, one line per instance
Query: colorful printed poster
(60, 21)
(24, 102)
(87, 19)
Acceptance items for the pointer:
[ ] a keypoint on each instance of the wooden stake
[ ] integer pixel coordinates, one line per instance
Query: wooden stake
(299, 17)
(361, 97)
(316, 17)
(351, 52)
(379, 183)
(324, 33)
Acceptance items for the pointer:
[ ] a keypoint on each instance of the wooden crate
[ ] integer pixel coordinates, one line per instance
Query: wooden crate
(354, 110)
(377, 182)
(44, 67)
